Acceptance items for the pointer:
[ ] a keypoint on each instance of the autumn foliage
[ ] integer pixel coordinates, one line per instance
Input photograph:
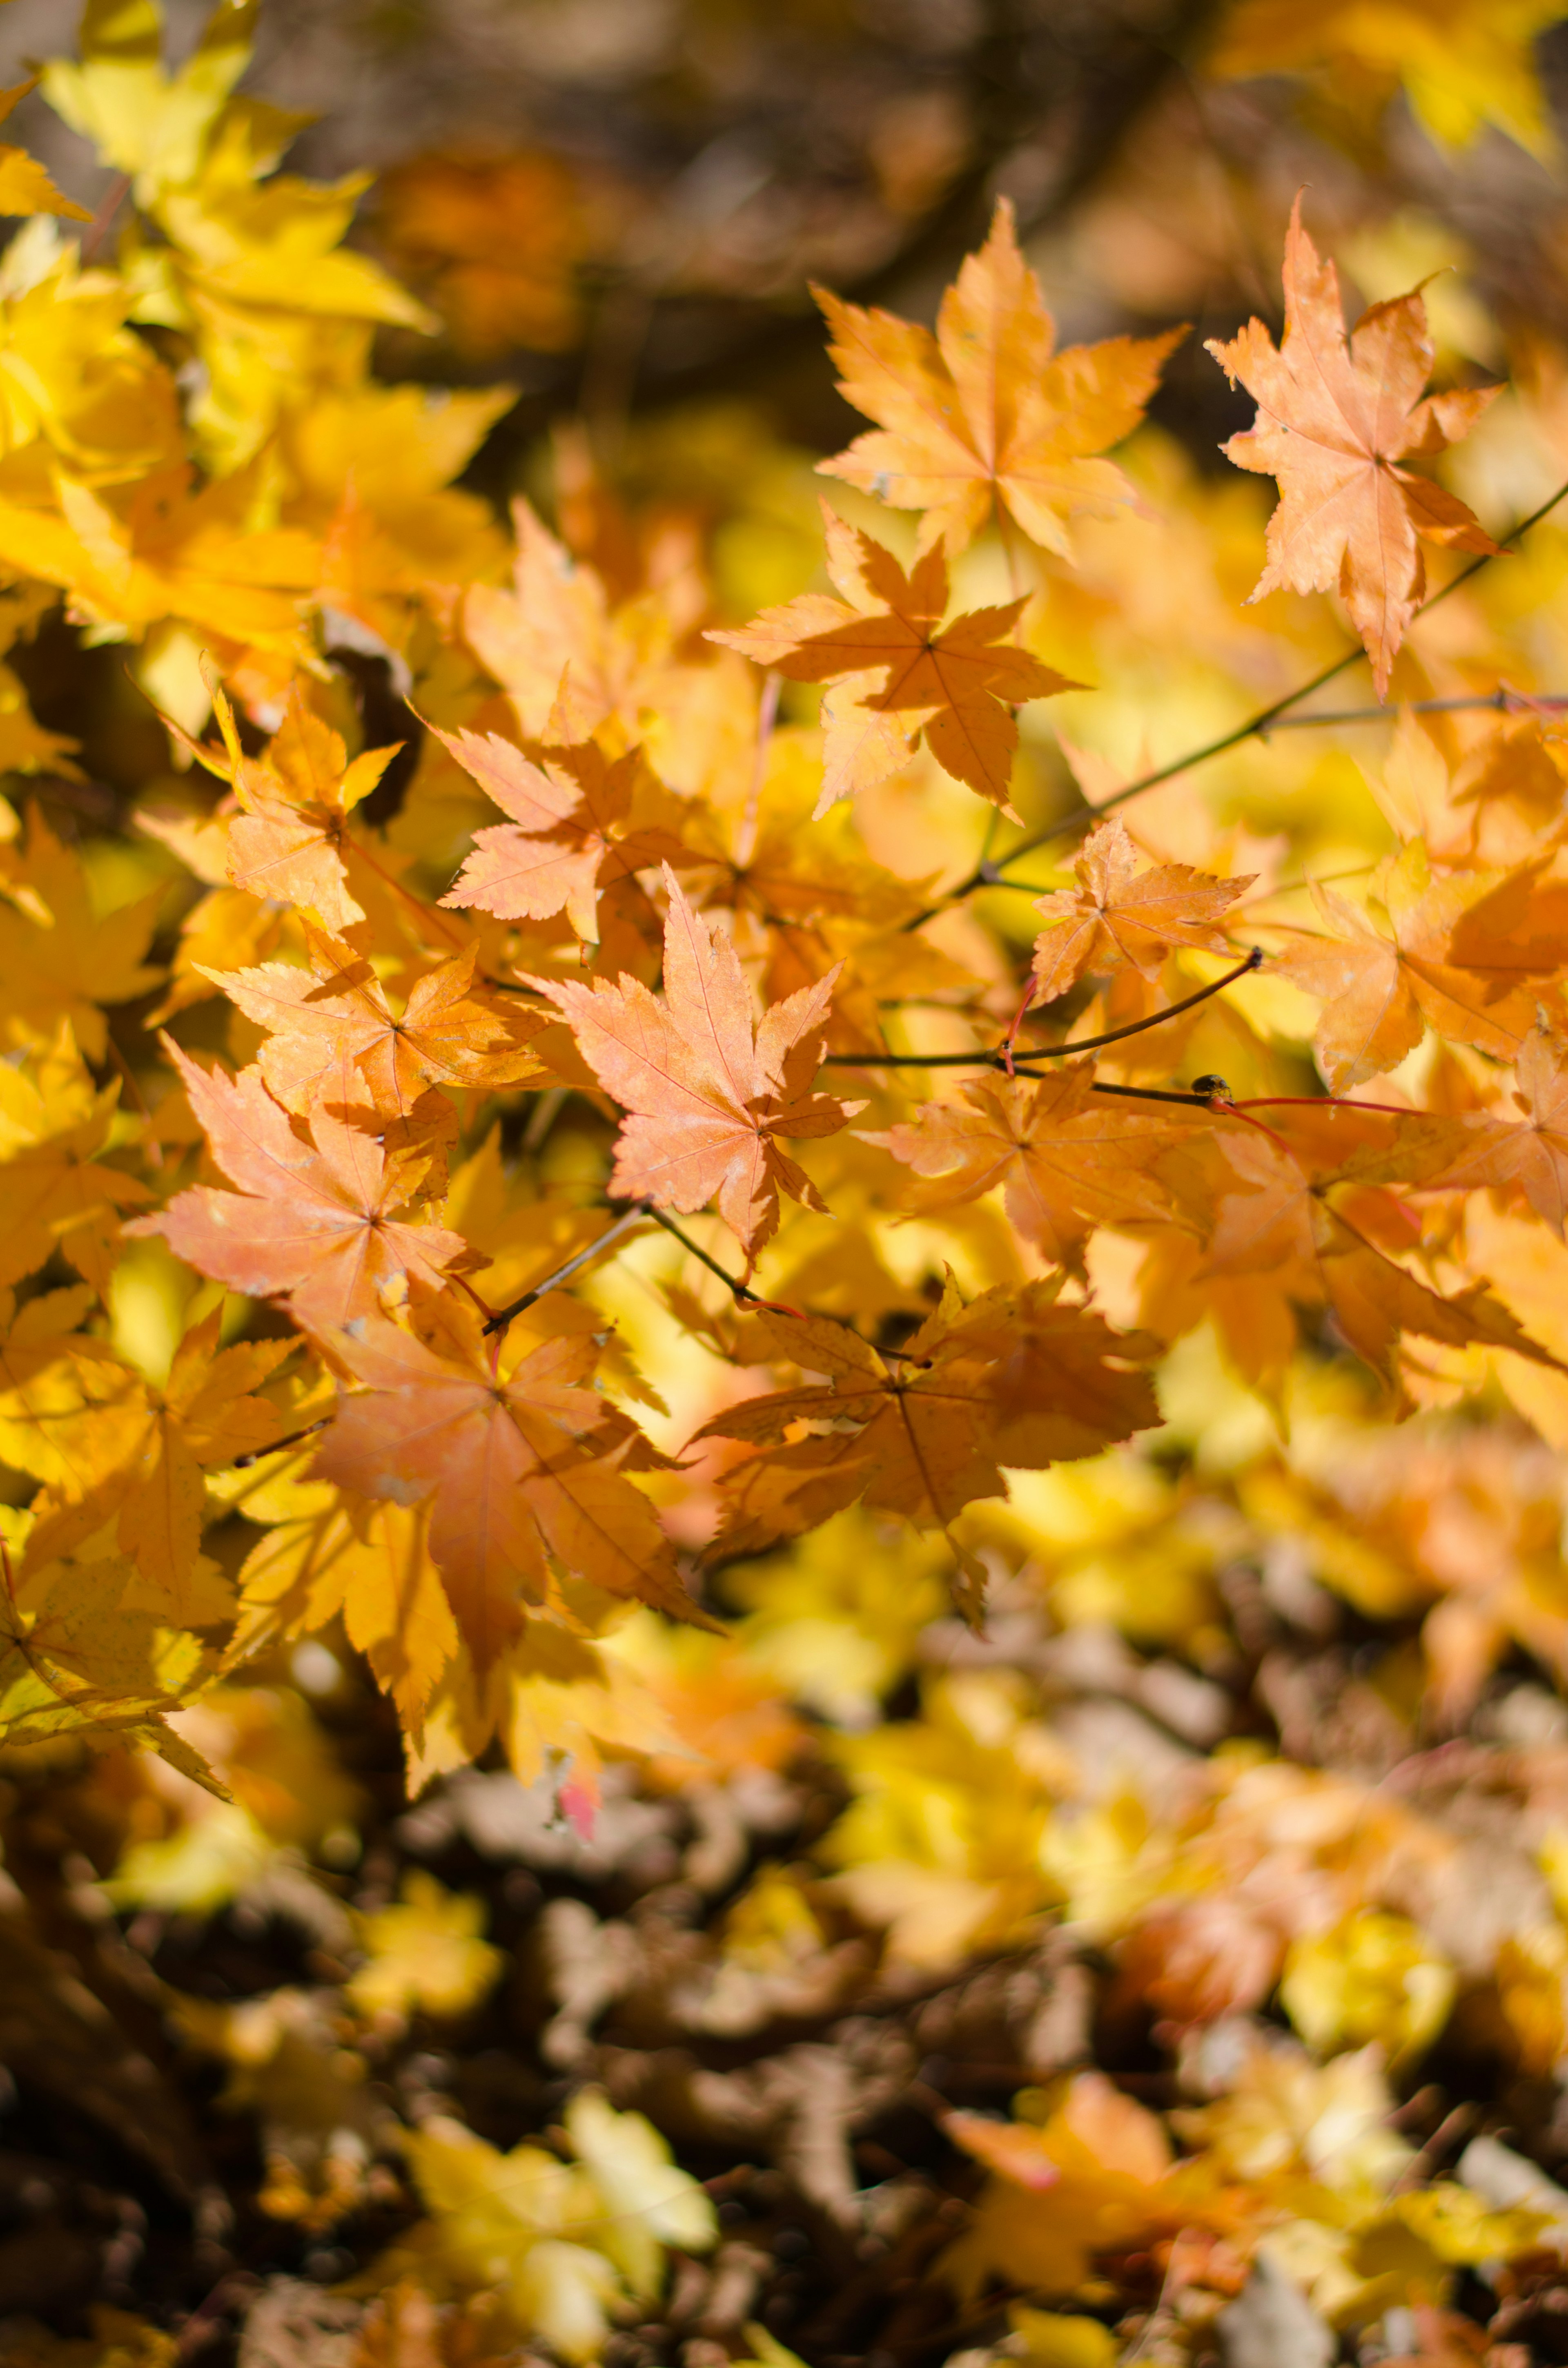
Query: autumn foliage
(820, 1251)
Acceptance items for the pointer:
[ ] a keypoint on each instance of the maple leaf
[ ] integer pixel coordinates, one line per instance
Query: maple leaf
(1460, 952)
(579, 820)
(1119, 917)
(71, 1659)
(289, 840)
(955, 686)
(521, 1467)
(1014, 1379)
(1274, 1220)
(1065, 1162)
(1462, 67)
(150, 1476)
(1533, 1154)
(1098, 2174)
(24, 187)
(552, 2241)
(314, 1216)
(427, 1951)
(70, 1407)
(1337, 416)
(496, 244)
(48, 964)
(984, 411)
(327, 1555)
(59, 1196)
(332, 1030)
(557, 617)
(710, 1089)
(143, 119)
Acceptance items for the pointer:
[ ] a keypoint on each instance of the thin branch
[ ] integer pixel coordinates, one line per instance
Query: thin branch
(731, 1282)
(1209, 1101)
(99, 228)
(986, 874)
(1318, 880)
(1502, 702)
(766, 717)
(1001, 1058)
(253, 1455)
(623, 1225)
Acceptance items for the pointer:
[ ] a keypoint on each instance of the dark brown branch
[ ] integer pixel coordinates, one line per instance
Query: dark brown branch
(624, 1223)
(743, 1291)
(1212, 1101)
(998, 1058)
(253, 1455)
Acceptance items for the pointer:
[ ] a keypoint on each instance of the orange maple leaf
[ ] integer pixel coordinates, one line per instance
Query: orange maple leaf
(289, 840)
(710, 1089)
(1119, 917)
(1533, 1154)
(521, 1467)
(1012, 1380)
(557, 614)
(1099, 2176)
(985, 412)
(316, 1220)
(958, 686)
(495, 244)
(1065, 1161)
(1337, 416)
(331, 1030)
(1274, 1219)
(578, 820)
(366, 1563)
(1459, 955)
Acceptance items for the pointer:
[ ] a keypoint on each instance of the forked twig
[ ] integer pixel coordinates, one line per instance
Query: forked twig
(1003, 1057)
(987, 874)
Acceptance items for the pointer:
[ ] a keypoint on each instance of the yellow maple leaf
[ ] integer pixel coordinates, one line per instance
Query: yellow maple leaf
(1463, 65)
(24, 187)
(424, 1952)
(59, 1194)
(79, 959)
(144, 121)
(1373, 1976)
(149, 1477)
(73, 1663)
(561, 2243)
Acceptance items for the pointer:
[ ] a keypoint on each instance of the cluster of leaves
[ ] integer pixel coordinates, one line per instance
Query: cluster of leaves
(629, 1213)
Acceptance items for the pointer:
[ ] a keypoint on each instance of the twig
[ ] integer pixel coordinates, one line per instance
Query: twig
(98, 229)
(253, 1455)
(766, 717)
(1001, 1058)
(1503, 700)
(623, 1225)
(1209, 1101)
(986, 874)
(742, 1291)
(1454, 2126)
(153, 1148)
